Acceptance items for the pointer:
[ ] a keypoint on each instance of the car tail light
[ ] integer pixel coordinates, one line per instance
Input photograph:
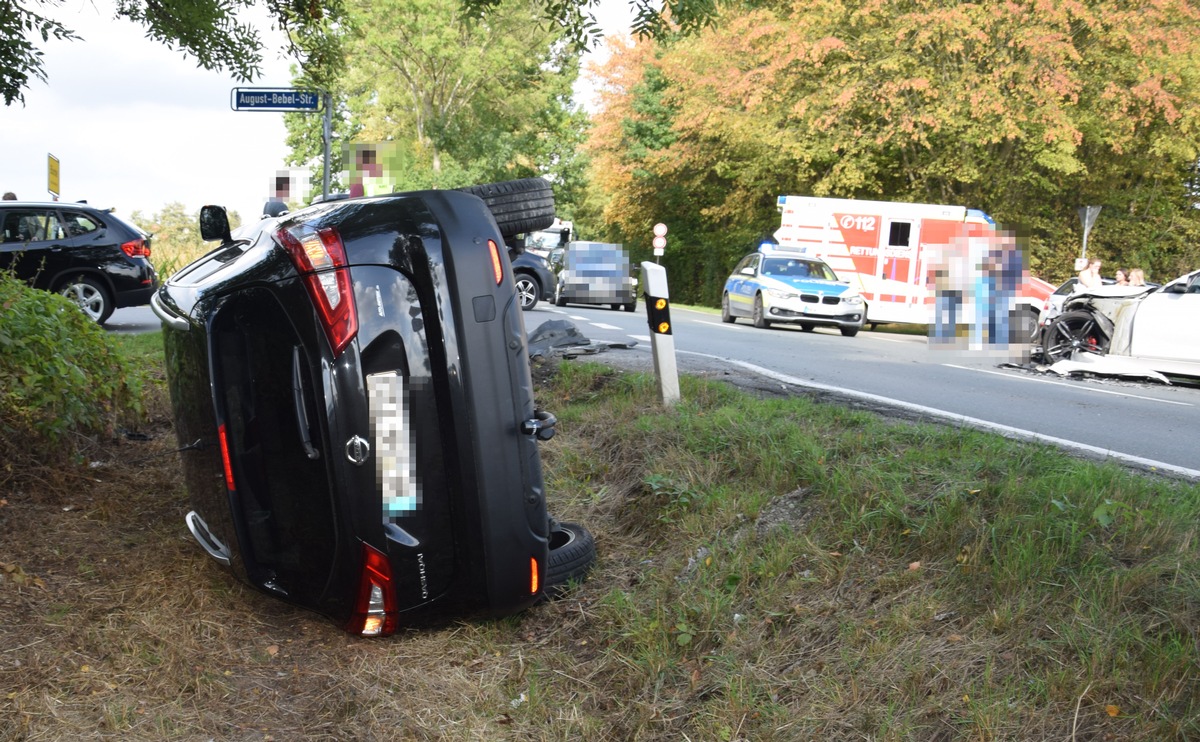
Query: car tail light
(320, 257)
(497, 266)
(136, 248)
(224, 441)
(534, 581)
(375, 612)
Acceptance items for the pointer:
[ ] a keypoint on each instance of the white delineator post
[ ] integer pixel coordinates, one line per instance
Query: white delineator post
(662, 342)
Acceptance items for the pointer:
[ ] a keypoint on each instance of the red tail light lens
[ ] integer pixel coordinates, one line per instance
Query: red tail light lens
(497, 266)
(136, 248)
(320, 257)
(229, 485)
(375, 611)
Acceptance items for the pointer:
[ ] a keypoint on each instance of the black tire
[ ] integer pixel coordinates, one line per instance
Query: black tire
(559, 299)
(807, 326)
(1072, 331)
(519, 206)
(850, 332)
(572, 552)
(528, 290)
(615, 307)
(760, 315)
(726, 315)
(631, 306)
(90, 296)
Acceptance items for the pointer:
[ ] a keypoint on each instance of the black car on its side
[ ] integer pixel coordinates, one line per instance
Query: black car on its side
(353, 398)
(89, 255)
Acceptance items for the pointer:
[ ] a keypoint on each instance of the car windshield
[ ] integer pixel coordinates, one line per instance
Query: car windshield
(796, 268)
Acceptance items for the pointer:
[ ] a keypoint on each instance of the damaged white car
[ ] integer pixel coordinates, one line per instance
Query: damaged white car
(1129, 330)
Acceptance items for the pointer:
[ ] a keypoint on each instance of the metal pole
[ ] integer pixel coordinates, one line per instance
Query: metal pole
(328, 136)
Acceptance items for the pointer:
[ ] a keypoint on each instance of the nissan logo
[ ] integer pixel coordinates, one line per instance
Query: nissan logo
(357, 450)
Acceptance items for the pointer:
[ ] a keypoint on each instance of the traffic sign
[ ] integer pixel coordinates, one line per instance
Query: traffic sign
(275, 99)
(660, 230)
(659, 243)
(52, 175)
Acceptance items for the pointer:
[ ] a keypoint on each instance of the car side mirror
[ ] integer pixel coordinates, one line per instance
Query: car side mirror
(516, 246)
(1175, 288)
(214, 224)
(747, 271)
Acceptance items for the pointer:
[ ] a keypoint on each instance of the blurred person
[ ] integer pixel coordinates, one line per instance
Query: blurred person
(1137, 277)
(1089, 277)
(948, 279)
(1122, 278)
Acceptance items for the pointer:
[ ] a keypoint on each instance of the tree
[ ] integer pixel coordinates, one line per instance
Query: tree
(209, 31)
(450, 99)
(1025, 109)
(214, 34)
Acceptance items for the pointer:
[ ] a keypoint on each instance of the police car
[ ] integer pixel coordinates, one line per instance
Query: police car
(779, 286)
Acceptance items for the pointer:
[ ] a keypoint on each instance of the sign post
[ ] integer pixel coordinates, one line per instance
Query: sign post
(1087, 217)
(662, 342)
(289, 99)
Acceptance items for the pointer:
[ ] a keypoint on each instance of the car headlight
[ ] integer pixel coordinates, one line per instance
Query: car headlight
(776, 293)
(853, 301)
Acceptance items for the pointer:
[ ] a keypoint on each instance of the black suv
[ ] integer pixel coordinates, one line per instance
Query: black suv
(353, 400)
(91, 256)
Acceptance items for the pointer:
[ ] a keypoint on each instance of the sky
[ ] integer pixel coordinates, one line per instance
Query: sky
(136, 125)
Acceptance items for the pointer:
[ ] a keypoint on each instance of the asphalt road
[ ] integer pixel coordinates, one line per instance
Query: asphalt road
(1149, 425)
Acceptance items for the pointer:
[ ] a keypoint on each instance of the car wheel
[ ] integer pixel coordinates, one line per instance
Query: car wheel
(1072, 331)
(850, 332)
(572, 552)
(559, 299)
(615, 307)
(726, 315)
(807, 326)
(528, 291)
(90, 296)
(519, 206)
(631, 306)
(760, 316)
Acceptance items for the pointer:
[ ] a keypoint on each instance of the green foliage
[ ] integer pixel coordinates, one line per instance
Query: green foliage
(1025, 110)
(450, 98)
(215, 34)
(60, 374)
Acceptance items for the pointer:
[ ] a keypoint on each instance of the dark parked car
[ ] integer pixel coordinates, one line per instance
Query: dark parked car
(353, 396)
(533, 278)
(91, 256)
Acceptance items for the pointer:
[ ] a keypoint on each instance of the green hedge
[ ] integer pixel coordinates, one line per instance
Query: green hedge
(61, 376)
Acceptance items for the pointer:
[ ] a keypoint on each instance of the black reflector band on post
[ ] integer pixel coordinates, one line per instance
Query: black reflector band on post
(658, 314)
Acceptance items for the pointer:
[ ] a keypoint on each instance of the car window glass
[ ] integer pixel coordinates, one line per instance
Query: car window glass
(76, 224)
(29, 225)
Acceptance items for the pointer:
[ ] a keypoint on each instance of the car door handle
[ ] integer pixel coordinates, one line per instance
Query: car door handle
(301, 409)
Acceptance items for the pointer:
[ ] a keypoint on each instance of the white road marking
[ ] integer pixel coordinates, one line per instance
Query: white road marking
(1070, 386)
(643, 338)
(603, 326)
(1004, 430)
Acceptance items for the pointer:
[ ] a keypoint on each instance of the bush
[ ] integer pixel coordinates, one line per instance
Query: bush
(61, 378)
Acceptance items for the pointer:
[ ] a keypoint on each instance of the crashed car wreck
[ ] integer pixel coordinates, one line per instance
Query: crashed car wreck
(1129, 331)
(353, 400)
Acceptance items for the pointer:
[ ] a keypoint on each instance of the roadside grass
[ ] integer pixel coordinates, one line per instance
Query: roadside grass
(770, 568)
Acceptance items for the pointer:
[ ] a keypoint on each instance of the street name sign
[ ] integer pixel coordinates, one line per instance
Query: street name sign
(275, 99)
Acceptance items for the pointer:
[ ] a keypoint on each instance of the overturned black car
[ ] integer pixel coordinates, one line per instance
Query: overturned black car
(353, 399)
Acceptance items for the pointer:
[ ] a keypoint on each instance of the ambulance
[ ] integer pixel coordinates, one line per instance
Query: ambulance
(887, 249)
